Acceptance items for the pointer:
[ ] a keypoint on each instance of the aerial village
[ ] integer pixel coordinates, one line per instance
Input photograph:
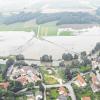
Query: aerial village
(74, 77)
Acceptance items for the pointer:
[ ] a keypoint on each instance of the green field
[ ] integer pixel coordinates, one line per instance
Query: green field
(66, 33)
(48, 29)
(2, 67)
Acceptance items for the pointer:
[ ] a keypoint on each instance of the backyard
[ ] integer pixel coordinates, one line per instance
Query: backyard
(53, 93)
(84, 69)
(86, 91)
(48, 79)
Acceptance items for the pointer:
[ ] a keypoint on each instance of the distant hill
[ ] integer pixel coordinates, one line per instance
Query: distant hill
(61, 17)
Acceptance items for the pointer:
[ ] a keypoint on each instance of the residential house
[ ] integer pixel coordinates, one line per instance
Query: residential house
(26, 74)
(94, 64)
(4, 85)
(95, 83)
(23, 80)
(62, 91)
(80, 81)
(85, 98)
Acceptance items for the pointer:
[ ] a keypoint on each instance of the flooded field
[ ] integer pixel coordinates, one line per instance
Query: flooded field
(32, 47)
(56, 46)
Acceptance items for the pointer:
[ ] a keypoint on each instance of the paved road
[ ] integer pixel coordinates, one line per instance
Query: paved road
(71, 91)
(67, 85)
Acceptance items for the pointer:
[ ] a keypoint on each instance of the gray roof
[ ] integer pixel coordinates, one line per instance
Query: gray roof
(62, 97)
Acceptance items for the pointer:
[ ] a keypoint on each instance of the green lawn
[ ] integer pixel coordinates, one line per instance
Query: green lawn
(97, 95)
(66, 33)
(1, 78)
(52, 94)
(69, 98)
(47, 29)
(2, 67)
(81, 92)
(87, 77)
(12, 97)
(21, 98)
(16, 27)
(84, 69)
(49, 80)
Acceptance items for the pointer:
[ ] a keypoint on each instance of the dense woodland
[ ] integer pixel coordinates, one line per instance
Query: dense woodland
(61, 18)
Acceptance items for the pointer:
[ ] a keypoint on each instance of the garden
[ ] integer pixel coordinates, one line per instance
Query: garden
(84, 91)
(84, 69)
(52, 94)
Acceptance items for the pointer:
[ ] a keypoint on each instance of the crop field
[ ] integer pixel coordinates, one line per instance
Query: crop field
(48, 29)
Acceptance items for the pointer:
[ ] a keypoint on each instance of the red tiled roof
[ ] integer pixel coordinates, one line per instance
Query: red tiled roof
(94, 79)
(62, 89)
(80, 79)
(4, 85)
(86, 98)
(23, 80)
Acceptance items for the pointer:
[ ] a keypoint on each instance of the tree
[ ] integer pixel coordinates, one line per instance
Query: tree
(41, 87)
(30, 86)
(15, 86)
(0, 70)
(10, 62)
(67, 56)
(75, 56)
(97, 47)
(3, 94)
(83, 54)
(34, 66)
(68, 74)
(46, 58)
(62, 64)
(86, 61)
(21, 63)
(75, 63)
(99, 54)
(61, 74)
(20, 57)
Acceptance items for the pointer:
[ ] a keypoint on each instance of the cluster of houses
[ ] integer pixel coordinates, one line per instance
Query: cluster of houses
(25, 75)
(95, 83)
(28, 74)
(96, 63)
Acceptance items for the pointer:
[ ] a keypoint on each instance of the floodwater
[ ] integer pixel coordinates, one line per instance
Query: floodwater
(56, 46)
(32, 47)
